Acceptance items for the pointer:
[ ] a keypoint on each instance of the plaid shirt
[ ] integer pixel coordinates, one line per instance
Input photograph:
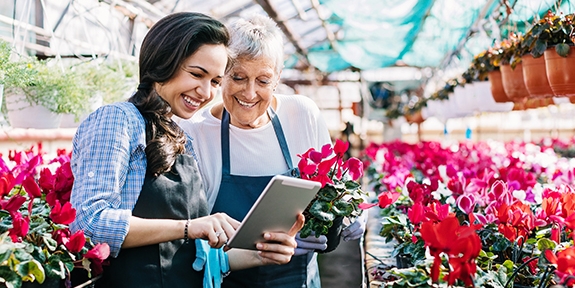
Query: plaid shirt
(109, 167)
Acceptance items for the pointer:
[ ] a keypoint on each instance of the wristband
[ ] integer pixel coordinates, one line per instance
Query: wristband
(186, 230)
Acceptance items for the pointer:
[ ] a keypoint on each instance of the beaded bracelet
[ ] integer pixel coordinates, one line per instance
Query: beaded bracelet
(186, 230)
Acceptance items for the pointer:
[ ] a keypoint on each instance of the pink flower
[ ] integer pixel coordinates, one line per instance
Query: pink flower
(384, 199)
(13, 204)
(31, 187)
(97, 255)
(63, 214)
(76, 242)
(466, 203)
(355, 168)
(19, 228)
(340, 147)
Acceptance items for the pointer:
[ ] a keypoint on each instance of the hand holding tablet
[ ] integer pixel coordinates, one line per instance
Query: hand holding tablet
(275, 210)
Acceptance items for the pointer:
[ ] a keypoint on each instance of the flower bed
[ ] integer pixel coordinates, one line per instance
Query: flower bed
(485, 214)
(35, 242)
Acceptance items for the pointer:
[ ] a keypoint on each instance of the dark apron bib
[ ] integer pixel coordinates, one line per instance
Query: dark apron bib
(173, 195)
(236, 196)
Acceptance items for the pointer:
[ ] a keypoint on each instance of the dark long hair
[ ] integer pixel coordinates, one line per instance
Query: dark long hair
(167, 44)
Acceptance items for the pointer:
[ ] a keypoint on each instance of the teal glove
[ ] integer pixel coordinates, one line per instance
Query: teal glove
(217, 263)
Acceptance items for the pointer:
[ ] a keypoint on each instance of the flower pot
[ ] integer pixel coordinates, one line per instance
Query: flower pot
(48, 283)
(560, 72)
(535, 77)
(71, 121)
(497, 90)
(333, 235)
(22, 114)
(513, 83)
(465, 99)
(416, 117)
(403, 261)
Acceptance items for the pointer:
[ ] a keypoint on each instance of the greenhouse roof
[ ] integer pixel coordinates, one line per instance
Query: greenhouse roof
(334, 35)
(329, 35)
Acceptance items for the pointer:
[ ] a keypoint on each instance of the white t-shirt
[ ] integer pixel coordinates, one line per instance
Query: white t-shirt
(256, 152)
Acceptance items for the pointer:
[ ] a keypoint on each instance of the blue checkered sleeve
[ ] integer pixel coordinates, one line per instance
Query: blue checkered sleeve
(109, 166)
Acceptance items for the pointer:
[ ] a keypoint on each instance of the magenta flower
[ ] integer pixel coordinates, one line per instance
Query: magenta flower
(76, 242)
(63, 214)
(354, 167)
(19, 228)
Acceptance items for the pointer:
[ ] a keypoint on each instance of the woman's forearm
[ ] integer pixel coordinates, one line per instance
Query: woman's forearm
(153, 231)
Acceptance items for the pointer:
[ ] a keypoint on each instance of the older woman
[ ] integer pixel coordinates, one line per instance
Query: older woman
(261, 134)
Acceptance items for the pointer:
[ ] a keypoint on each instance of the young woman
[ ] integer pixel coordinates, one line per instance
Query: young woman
(137, 185)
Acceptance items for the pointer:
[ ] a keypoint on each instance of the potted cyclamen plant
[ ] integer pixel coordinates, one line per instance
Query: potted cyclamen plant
(339, 195)
(36, 246)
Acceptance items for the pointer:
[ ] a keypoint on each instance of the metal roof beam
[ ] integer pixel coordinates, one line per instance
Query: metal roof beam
(329, 34)
(290, 35)
(472, 29)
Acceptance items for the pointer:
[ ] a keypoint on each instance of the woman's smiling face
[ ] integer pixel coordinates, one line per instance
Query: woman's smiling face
(247, 91)
(195, 84)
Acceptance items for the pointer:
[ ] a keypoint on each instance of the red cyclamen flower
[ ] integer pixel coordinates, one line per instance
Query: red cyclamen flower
(63, 214)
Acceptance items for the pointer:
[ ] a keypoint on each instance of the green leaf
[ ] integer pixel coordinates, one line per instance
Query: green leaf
(55, 267)
(500, 244)
(50, 243)
(539, 48)
(562, 49)
(352, 185)
(321, 210)
(342, 208)
(12, 280)
(306, 229)
(327, 193)
(545, 244)
(22, 255)
(508, 264)
(31, 271)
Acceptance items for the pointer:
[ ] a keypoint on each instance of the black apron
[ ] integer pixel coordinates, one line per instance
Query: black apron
(177, 194)
(236, 196)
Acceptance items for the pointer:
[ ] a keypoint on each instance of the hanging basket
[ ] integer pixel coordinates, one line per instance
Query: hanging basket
(560, 72)
(513, 83)
(465, 98)
(484, 99)
(535, 77)
(497, 90)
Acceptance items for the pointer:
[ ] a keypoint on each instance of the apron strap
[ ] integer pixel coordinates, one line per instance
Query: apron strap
(281, 137)
(225, 141)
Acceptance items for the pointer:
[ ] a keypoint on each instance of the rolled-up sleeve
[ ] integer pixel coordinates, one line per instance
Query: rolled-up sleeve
(109, 165)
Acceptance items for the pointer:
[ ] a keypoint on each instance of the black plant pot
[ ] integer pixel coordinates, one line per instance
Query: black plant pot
(333, 235)
(403, 261)
(48, 283)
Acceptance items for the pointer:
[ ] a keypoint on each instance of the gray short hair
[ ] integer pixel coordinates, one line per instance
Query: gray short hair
(256, 36)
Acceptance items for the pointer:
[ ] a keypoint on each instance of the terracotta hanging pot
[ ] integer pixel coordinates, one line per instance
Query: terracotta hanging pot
(533, 103)
(535, 77)
(497, 90)
(519, 105)
(513, 83)
(561, 72)
(416, 117)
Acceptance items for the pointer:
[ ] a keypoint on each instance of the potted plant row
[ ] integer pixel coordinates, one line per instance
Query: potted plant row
(550, 54)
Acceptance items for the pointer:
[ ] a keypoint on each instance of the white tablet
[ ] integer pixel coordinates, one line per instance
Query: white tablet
(275, 210)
